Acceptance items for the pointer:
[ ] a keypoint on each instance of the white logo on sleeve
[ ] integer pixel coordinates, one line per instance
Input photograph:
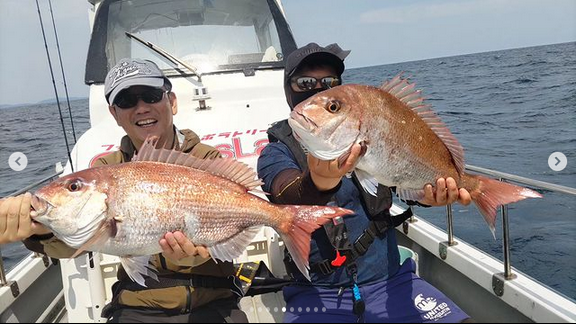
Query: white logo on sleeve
(430, 306)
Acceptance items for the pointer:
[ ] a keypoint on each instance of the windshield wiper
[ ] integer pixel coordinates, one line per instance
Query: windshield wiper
(202, 93)
(167, 55)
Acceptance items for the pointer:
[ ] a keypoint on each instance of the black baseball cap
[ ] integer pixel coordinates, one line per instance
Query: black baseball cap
(331, 54)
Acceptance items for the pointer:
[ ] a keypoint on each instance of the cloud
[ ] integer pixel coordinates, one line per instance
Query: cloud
(426, 11)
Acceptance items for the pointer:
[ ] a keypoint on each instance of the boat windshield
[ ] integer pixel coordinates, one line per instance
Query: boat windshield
(211, 35)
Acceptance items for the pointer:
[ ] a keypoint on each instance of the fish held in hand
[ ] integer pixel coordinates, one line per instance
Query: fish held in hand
(125, 209)
(405, 144)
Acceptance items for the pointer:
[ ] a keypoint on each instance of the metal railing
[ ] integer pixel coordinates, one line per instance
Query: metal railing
(35, 184)
(519, 179)
(505, 177)
(496, 174)
(3, 281)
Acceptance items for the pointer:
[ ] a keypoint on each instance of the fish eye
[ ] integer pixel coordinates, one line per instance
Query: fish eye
(74, 185)
(333, 106)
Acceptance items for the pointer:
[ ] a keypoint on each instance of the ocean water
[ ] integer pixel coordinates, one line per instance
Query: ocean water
(509, 109)
(36, 131)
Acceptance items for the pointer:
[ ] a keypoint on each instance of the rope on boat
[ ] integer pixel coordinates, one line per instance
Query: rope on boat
(62, 69)
(55, 89)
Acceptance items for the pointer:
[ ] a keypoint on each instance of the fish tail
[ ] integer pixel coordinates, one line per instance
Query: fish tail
(304, 221)
(490, 194)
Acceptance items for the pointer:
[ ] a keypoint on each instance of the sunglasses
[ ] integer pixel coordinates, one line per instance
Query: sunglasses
(125, 99)
(308, 83)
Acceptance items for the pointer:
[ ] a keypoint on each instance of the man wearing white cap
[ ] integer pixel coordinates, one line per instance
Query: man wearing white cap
(192, 287)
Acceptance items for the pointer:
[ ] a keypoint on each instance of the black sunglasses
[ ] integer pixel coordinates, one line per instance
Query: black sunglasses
(125, 99)
(308, 83)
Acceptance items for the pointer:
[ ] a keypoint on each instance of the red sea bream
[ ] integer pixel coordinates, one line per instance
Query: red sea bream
(126, 209)
(405, 143)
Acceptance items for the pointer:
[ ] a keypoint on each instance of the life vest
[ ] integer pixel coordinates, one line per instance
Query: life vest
(377, 207)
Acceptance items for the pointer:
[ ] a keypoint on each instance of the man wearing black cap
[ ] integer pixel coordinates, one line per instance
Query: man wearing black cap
(355, 267)
(308, 62)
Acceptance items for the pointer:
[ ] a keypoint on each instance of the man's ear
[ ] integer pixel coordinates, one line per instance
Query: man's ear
(173, 102)
(113, 112)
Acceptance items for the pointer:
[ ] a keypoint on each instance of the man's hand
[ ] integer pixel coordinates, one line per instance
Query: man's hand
(446, 192)
(326, 175)
(15, 222)
(177, 246)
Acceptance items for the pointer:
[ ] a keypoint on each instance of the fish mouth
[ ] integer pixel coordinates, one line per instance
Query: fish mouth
(301, 119)
(297, 127)
(40, 206)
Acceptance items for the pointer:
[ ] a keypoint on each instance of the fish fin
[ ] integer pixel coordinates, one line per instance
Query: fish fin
(368, 182)
(363, 148)
(342, 159)
(410, 194)
(136, 267)
(106, 230)
(297, 235)
(227, 168)
(406, 93)
(258, 191)
(493, 193)
(235, 246)
(389, 84)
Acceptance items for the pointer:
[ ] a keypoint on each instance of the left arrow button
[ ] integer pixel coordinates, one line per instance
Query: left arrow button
(18, 161)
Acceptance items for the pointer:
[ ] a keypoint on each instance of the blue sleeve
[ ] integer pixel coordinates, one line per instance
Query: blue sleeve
(275, 158)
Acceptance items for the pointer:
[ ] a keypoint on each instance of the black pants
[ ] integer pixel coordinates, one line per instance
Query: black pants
(218, 311)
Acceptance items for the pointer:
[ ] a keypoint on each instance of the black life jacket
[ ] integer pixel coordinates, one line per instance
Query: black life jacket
(377, 207)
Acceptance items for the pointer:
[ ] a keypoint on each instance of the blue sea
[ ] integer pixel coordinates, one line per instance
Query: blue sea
(509, 109)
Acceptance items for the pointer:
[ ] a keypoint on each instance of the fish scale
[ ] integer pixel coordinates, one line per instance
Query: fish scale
(211, 207)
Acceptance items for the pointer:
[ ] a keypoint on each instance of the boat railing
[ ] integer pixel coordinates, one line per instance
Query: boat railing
(507, 274)
(505, 177)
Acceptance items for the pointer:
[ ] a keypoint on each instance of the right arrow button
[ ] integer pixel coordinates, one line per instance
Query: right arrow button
(557, 161)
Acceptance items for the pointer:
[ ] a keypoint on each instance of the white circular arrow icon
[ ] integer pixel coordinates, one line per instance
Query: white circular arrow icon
(18, 161)
(557, 161)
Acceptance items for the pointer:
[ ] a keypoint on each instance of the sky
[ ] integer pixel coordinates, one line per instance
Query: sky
(377, 31)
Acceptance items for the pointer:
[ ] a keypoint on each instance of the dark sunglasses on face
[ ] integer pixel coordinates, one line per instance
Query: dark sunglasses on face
(125, 99)
(308, 83)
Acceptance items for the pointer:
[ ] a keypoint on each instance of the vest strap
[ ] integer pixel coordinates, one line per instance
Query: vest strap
(377, 228)
(230, 282)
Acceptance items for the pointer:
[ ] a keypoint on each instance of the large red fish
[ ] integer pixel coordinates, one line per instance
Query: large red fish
(406, 143)
(125, 209)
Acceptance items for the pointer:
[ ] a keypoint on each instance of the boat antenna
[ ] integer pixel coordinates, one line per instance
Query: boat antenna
(54, 84)
(62, 69)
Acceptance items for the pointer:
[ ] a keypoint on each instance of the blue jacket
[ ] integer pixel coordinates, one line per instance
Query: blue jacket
(382, 258)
